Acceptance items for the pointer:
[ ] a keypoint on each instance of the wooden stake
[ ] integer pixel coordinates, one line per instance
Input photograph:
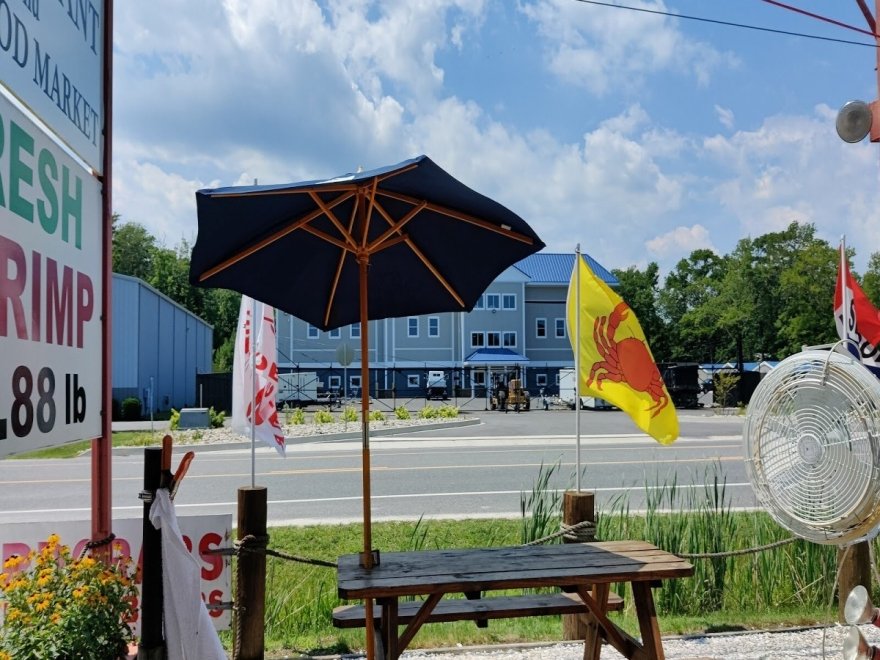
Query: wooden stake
(577, 506)
(250, 596)
(855, 570)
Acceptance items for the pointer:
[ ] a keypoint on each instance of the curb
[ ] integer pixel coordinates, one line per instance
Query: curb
(321, 437)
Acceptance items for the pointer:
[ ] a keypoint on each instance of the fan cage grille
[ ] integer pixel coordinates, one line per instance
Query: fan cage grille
(812, 452)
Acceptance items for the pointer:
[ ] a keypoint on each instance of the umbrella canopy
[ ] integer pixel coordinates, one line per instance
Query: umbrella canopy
(396, 241)
(432, 243)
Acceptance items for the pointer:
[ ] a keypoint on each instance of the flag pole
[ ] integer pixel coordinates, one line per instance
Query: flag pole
(253, 419)
(577, 365)
(844, 303)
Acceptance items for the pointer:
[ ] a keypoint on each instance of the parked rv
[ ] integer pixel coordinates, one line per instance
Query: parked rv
(298, 388)
(436, 386)
(567, 382)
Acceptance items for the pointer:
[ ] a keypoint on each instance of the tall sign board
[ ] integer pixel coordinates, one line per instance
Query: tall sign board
(50, 291)
(51, 53)
(52, 279)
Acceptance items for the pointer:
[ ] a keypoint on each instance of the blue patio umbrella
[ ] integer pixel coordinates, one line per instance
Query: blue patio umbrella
(396, 241)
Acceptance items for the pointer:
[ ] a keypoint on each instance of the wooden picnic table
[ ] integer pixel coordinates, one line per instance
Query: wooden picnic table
(585, 569)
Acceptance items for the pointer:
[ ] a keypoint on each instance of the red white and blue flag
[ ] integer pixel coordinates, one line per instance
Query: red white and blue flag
(255, 375)
(862, 320)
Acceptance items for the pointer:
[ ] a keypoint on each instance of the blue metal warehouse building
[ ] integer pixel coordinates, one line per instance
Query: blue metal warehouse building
(158, 347)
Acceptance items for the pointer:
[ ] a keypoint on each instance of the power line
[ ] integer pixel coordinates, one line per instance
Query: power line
(728, 23)
(798, 10)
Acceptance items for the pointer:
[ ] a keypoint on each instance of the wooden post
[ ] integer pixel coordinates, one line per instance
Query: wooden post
(577, 506)
(855, 569)
(250, 596)
(152, 642)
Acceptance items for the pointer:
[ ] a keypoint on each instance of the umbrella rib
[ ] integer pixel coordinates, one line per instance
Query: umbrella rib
(281, 233)
(332, 217)
(339, 265)
(330, 239)
(369, 214)
(464, 217)
(412, 246)
(396, 226)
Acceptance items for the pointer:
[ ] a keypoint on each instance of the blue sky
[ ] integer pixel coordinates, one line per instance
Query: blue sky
(640, 136)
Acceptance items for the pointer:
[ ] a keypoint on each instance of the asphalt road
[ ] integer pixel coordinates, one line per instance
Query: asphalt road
(479, 470)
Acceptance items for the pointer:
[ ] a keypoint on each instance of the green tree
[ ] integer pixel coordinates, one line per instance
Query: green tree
(871, 281)
(688, 297)
(133, 249)
(639, 289)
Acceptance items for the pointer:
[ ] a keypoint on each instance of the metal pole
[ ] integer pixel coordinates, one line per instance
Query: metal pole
(577, 365)
(253, 393)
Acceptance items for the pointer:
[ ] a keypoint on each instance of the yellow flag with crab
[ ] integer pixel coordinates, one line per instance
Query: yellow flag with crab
(615, 361)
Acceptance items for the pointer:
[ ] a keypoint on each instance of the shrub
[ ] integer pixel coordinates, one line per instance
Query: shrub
(323, 417)
(447, 411)
(174, 420)
(131, 409)
(401, 413)
(377, 416)
(296, 416)
(429, 412)
(350, 414)
(216, 418)
(66, 608)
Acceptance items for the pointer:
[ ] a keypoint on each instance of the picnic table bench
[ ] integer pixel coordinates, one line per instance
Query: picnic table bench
(583, 571)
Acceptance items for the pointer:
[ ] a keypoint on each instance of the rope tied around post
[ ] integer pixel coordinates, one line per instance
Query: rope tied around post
(581, 532)
(97, 543)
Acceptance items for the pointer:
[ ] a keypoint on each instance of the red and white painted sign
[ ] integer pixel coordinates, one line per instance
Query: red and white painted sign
(201, 534)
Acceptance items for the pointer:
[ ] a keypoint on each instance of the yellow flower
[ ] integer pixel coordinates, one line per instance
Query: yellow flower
(40, 607)
(53, 539)
(13, 561)
(55, 618)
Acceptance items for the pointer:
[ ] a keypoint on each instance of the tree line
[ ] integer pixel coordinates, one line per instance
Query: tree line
(765, 300)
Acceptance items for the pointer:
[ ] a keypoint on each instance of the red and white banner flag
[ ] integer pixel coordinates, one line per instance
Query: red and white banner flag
(255, 374)
(862, 318)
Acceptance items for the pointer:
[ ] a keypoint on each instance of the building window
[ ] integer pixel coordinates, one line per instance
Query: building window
(412, 326)
(335, 333)
(560, 327)
(493, 339)
(311, 331)
(541, 380)
(355, 331)
(509, 339)
(354, 382)
(493, 301)
(508, 301)
(412, 380)
(557, 379)
(479, 378)
(540, 328)
(478, 339)
(335, 382)
(433, 326)
(479, 304)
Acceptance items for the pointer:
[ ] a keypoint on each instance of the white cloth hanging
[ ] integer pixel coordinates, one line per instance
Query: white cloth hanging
(189, 633)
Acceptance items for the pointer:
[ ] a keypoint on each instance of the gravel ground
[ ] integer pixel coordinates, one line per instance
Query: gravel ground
(226, 434)
(806, 643)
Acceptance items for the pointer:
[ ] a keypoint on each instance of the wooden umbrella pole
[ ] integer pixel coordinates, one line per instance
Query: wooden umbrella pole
(367, 557)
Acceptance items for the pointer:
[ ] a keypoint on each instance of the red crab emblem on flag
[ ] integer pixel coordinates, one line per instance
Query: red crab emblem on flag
(625, 361)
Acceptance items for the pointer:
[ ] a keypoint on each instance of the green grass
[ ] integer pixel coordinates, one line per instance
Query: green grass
(73, 449)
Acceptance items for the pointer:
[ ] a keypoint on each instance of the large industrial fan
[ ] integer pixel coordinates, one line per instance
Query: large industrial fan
(812, 443)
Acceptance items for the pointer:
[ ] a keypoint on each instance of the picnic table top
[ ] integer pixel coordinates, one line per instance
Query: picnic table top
(487, 569)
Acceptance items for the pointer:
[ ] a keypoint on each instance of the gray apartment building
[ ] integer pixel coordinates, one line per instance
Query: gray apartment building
(517, 328)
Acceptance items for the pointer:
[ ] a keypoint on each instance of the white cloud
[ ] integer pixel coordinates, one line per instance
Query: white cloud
(725, 116)
(681, 241)
(604, 48)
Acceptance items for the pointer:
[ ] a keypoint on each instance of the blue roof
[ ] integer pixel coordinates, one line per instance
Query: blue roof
(554, 268)
(495, 355)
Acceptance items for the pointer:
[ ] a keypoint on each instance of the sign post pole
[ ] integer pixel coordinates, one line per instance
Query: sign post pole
(102, 509)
